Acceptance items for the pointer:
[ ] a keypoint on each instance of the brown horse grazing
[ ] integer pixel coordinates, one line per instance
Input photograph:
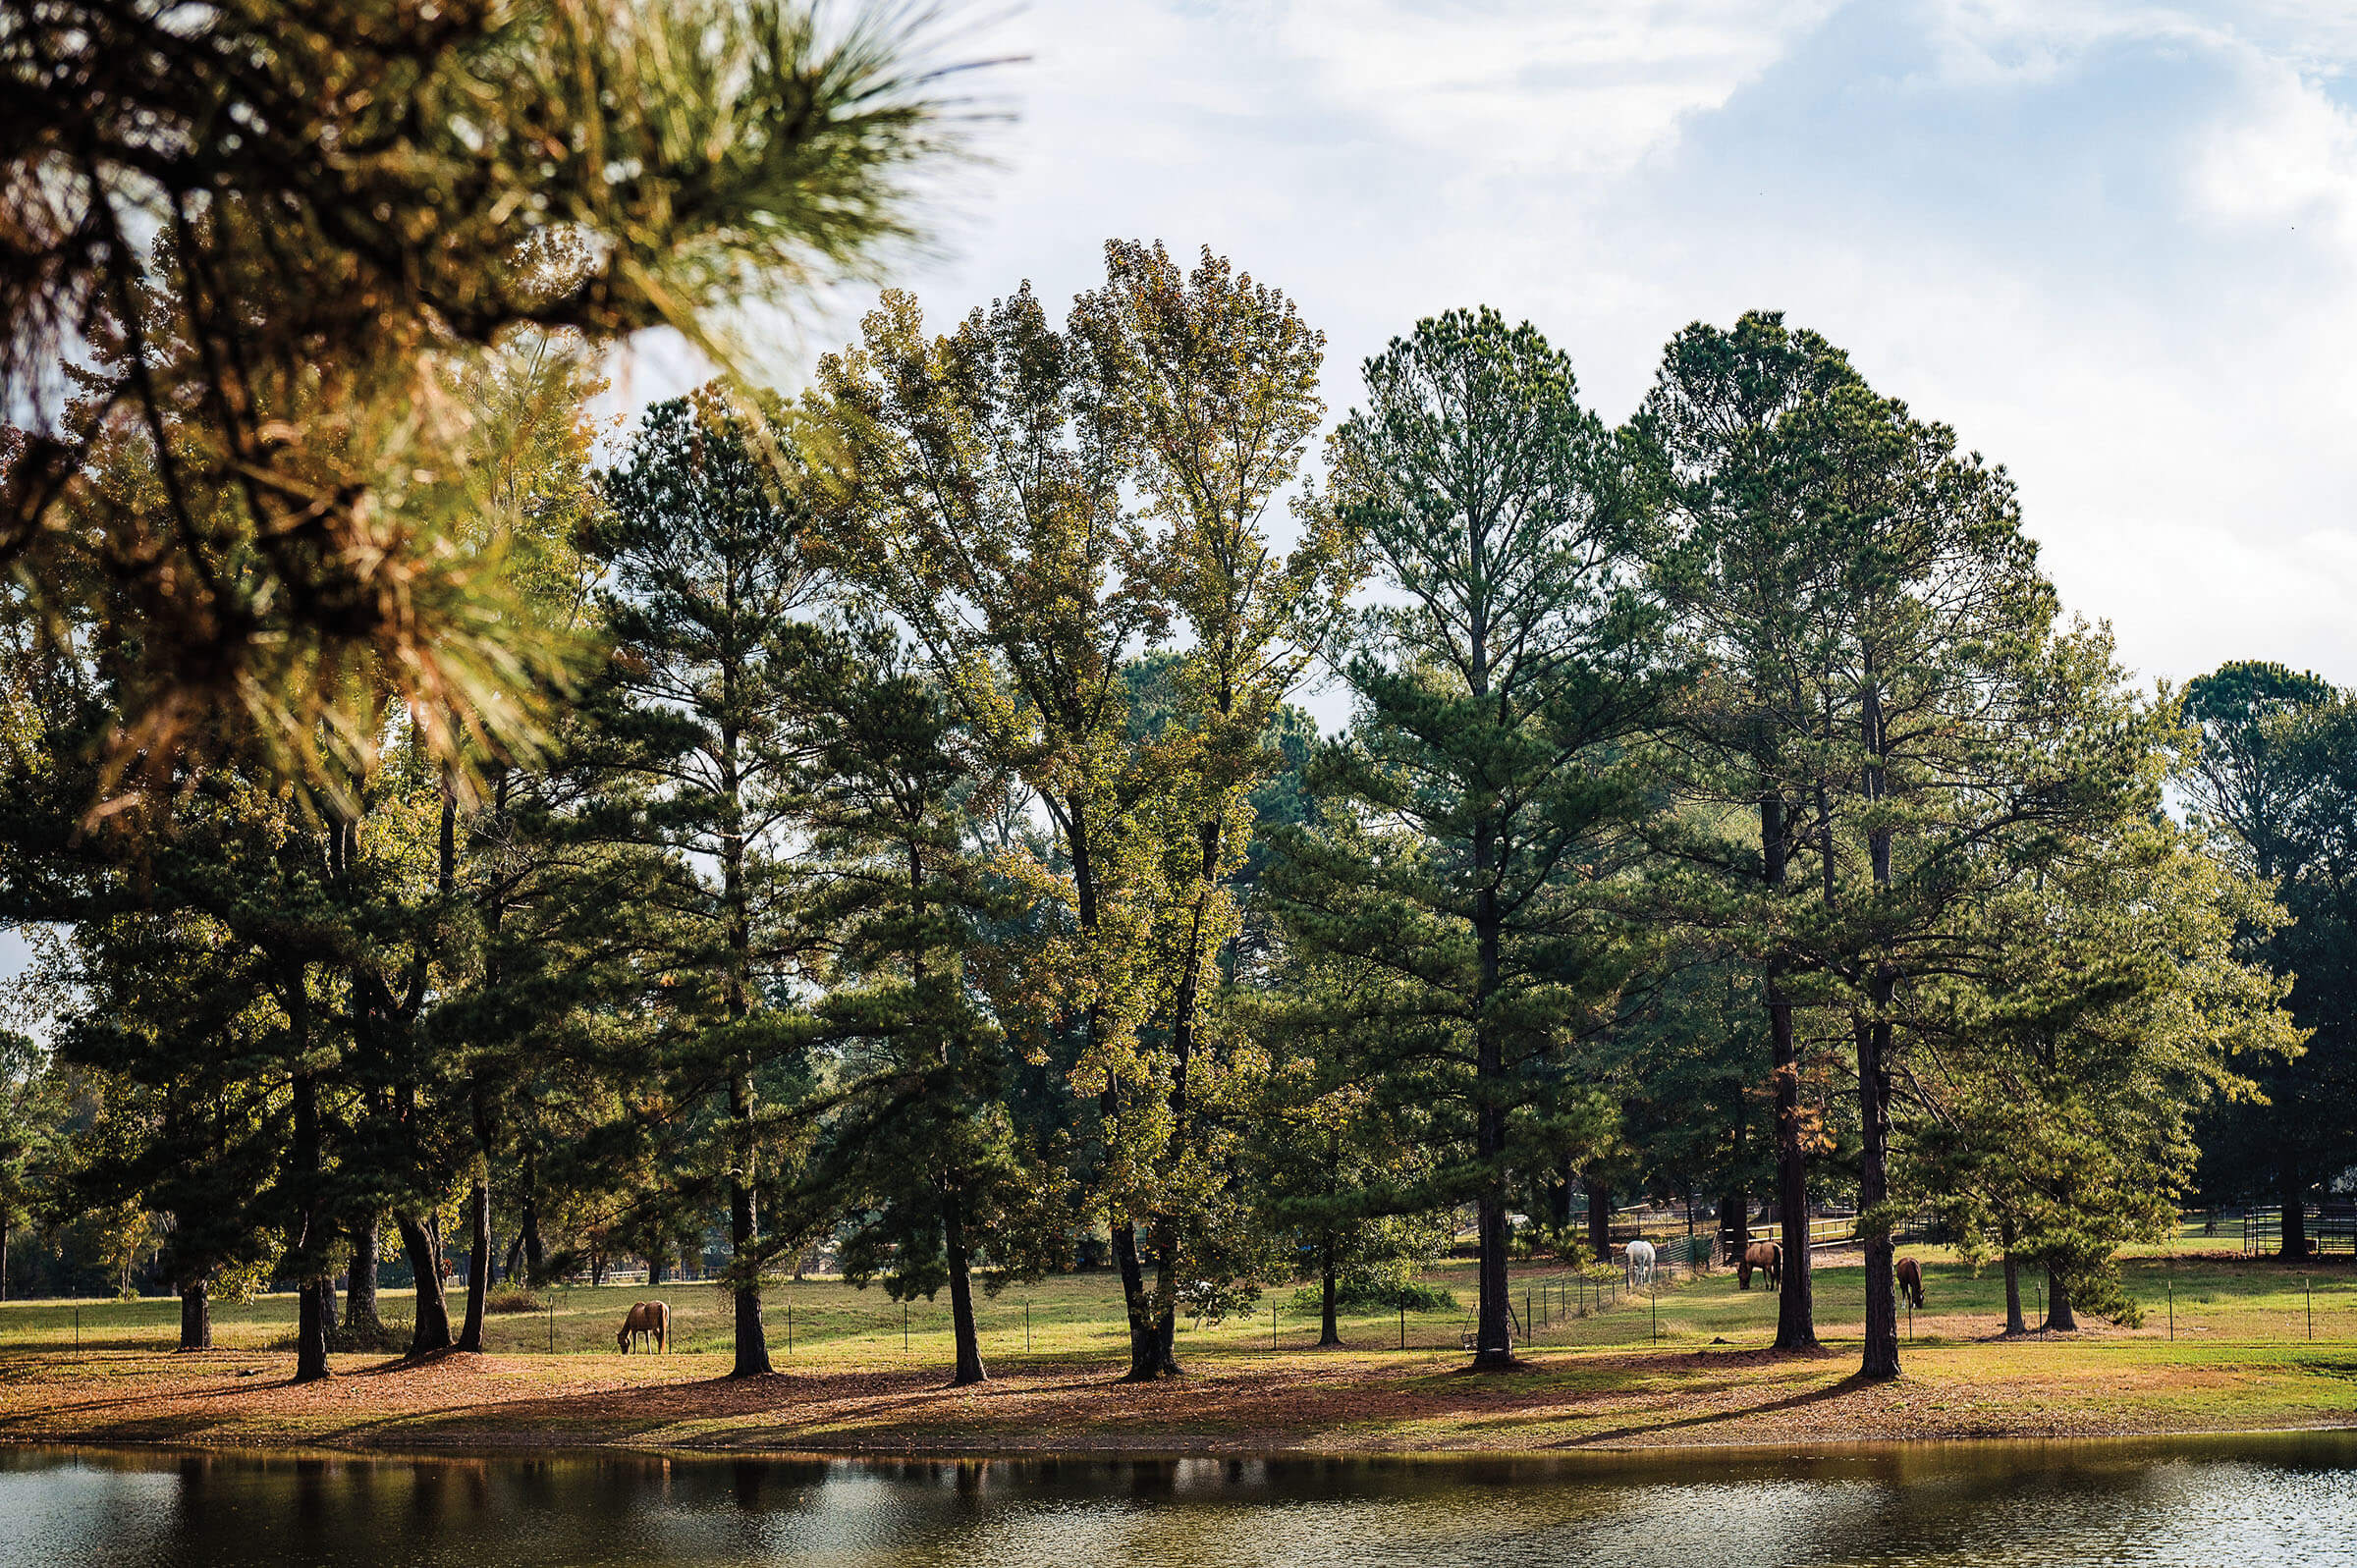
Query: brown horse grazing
(1911, 1281)
(648, 1319)
(1765, 1255)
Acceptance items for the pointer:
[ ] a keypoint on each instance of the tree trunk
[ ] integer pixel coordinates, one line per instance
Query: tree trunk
(2058, 1316)
(1329, 1333)
(654, 1271)
(1796, 1303)
(961, 1295)
(1881, 1359)
(1599, 1218)
(1734, 1221)
(361, 1317)
(327, 1305)
(1795, 1306)
(744, 1231)
(310, 1333)
(196, 1316)
(425, 1252)
(1145, 1341)
(3, 1256)
(2014, 1323)
(2295, 1213)
(1162, 1314)
(527, 1222)
(478, 1267)
(1163, 1233)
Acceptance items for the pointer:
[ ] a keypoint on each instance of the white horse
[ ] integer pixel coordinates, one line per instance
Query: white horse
(1640, 1262)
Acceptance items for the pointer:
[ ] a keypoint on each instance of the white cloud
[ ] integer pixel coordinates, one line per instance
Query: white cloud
(2112, 243)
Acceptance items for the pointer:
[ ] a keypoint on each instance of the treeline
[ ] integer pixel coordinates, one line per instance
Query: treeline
(920, 851)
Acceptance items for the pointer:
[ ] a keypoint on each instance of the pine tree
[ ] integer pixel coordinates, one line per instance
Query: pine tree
(1482, 784)
(708, 572)
(607, 168)
(919, 1141)
(1753, 578)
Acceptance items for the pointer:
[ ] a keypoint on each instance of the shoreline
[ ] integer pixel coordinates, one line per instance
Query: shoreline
(522, 1446)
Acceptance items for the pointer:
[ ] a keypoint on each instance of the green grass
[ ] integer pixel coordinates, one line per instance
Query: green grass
(2218, 1301)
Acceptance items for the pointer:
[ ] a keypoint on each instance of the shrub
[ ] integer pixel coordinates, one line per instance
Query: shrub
(1377, 1295)
(387, 1337)
(505, 1301)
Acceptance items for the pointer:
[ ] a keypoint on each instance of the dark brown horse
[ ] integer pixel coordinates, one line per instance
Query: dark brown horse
(1768, 1256)
(1911, 1281)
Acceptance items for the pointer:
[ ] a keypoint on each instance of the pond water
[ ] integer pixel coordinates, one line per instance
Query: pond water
(2258, 1502)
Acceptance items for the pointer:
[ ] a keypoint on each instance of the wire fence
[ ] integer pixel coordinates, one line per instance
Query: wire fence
(1080, 1317)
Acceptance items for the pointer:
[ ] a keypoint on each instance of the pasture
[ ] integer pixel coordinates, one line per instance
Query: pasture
(1686, 1363)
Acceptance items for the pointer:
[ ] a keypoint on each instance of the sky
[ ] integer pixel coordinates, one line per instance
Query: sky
(2114, 245)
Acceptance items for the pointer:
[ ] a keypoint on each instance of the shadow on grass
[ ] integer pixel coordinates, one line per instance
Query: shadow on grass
(1853, 1383)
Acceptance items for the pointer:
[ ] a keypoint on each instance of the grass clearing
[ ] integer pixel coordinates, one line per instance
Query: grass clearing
(852, 1378)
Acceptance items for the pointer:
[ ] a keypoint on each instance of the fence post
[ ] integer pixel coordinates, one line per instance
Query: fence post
(1403, 1325)
(1272, 1323)
(1026, 1325)
(903, 1328)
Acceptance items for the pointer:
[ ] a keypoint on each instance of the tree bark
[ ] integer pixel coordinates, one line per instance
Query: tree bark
(2015, 1321)
(1873, 1034)
(1493, 1339)
(310, 1333)
(2059, 1315)
(360, 1294)
(1145, 1338)
(1329, 1333)
(744, 1217)
(1881, 1360)
(529, 1220)
(745, 1231)
(2294, 1242)
(423, 1249)
(479, 1266)
(1163, 1233)
(969, 1369)
(1796, 1303)
(196, 1316)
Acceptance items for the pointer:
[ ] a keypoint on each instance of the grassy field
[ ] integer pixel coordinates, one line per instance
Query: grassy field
(2250, 1343)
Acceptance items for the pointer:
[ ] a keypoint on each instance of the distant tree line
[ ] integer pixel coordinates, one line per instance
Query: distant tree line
(918, 849)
